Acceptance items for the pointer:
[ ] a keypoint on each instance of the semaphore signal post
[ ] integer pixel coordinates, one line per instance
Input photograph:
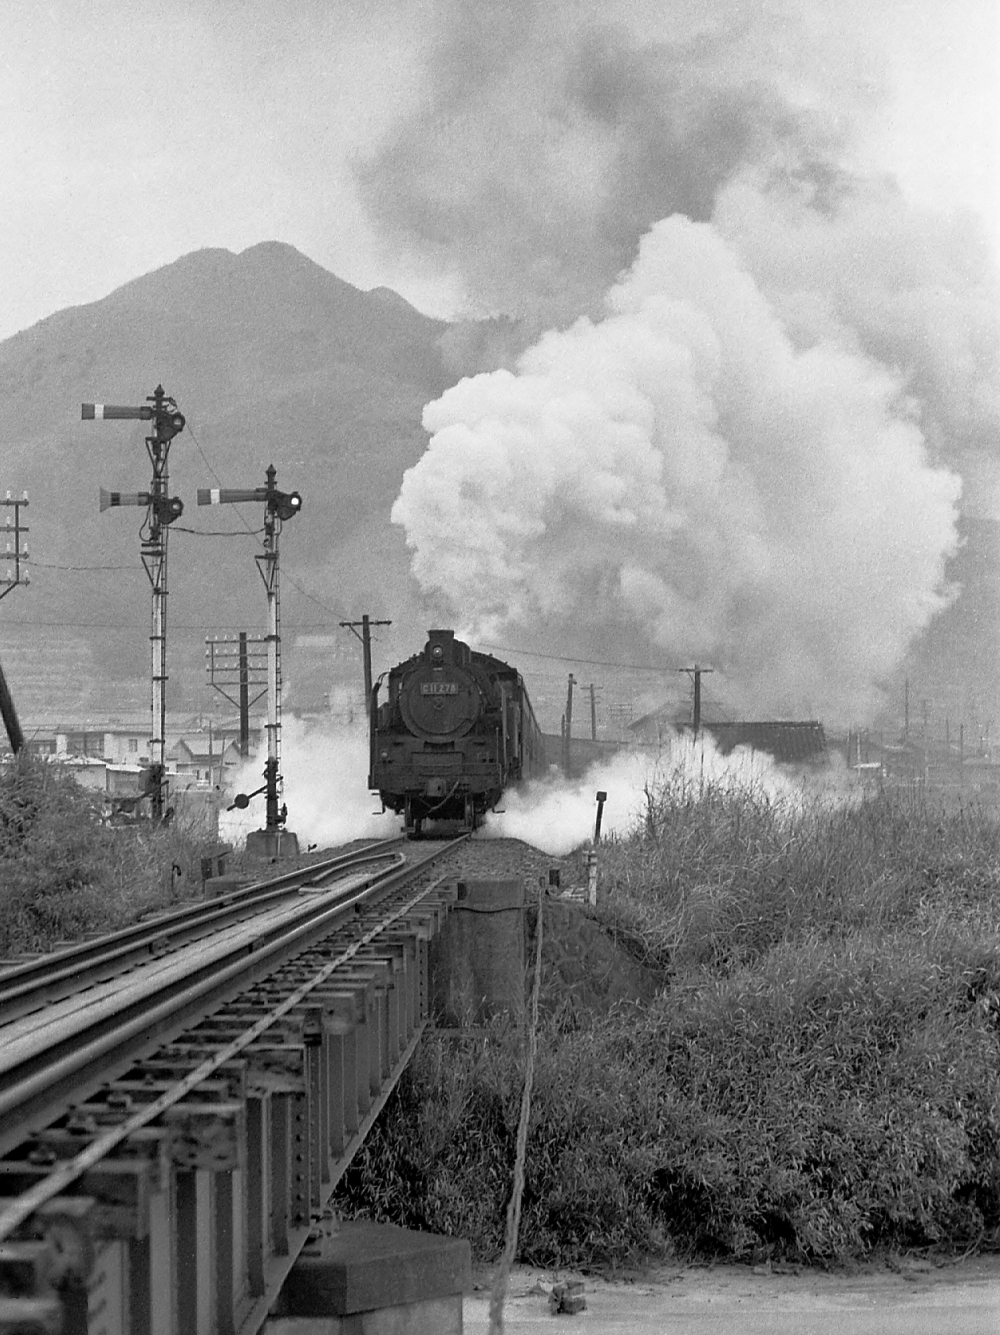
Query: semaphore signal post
(273, 840)
(161, 511)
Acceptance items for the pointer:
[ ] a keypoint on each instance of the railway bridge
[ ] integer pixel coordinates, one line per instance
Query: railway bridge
(179, 1101)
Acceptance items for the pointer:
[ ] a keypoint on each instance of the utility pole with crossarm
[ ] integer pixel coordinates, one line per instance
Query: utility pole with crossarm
(273, 841)
(18, 555)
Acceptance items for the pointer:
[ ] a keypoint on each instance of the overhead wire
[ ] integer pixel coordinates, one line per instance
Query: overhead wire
(339, 615)
(49, 565)
(587, 662)
(218, 533)
(294, 583)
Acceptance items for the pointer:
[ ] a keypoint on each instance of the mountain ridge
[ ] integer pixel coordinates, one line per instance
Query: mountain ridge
(272, 359)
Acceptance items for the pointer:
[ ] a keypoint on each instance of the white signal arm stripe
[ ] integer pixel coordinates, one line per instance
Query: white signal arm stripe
(99, 412)
(215, 494)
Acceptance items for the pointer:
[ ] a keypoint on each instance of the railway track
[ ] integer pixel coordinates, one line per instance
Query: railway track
(178, 1100)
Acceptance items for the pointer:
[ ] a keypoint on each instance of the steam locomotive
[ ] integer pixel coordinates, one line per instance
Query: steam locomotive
(456, 729)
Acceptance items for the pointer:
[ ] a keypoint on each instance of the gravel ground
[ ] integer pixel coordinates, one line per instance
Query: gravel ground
(899, 1296)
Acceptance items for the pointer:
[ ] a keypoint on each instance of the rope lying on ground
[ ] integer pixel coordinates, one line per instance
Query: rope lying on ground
(499, 1289)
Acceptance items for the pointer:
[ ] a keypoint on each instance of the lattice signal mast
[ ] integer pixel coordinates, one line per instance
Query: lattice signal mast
(161, 511)
(278, 507)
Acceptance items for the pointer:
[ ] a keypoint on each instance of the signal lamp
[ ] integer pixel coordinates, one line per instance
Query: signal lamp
(285, 504)
(168, 508)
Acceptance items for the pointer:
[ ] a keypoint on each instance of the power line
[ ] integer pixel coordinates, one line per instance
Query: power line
(318, 601)
(288, 578)
(48, 565)
(220, 532)
(175, 625)
(568, 658)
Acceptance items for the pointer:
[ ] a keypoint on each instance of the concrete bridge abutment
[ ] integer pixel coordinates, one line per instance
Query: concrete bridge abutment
(477, 960)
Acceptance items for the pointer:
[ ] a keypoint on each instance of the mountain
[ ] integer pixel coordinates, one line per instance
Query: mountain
(272, 359)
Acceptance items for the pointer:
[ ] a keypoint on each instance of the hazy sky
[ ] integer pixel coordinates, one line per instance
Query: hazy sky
(134, 132)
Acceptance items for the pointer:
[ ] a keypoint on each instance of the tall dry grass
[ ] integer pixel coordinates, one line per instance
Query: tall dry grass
(64, 874)
(819, 1077)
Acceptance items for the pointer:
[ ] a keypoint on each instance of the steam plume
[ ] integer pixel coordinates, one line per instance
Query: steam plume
(679, 472)
(748, 448)
(557, 815)
(553, 135)
(324, 788)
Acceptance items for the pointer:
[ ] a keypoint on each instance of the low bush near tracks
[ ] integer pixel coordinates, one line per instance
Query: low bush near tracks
(62, 873)
(440, 1158)
(821, 1076)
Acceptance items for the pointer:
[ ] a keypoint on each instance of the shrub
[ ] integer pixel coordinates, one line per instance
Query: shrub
(821, 1076)
(440, 1157)
(63, 873)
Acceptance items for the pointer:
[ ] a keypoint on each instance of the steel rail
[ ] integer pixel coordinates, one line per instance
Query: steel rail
(55, 1183)
(35, 1091)
(17, 1211)
(139, 939)
(67, 974)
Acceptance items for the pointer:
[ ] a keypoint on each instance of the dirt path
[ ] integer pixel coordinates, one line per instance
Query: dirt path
(906, 1297)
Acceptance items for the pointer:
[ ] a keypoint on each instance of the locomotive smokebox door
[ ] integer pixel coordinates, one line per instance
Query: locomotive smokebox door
(439, 702)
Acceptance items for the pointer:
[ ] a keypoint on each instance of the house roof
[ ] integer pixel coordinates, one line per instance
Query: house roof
(202, 755)
(790, 742)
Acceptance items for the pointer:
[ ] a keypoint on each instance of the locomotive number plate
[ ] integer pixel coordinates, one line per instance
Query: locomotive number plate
(439, 688)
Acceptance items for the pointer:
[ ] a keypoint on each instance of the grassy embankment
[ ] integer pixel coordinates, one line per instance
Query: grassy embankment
(820, 1077)
(63, 874)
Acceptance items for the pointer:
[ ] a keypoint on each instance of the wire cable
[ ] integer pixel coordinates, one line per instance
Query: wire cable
(341, 616)
(205, 460)
(588, 662)
(48, 565)
(218, 533)
(499, 1290)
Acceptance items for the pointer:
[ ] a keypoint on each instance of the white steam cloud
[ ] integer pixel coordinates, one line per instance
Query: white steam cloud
(680, 474)
(325, 789)
(557, 815)
(748, 449)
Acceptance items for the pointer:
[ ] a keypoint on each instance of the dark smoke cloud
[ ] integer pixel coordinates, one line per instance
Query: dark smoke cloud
(554, 135)
(828, 353)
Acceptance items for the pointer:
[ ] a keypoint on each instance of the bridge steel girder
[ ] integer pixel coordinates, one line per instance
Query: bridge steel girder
(193, 1225)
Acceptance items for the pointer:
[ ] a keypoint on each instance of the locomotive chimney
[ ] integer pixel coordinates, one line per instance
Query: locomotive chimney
(440, 646)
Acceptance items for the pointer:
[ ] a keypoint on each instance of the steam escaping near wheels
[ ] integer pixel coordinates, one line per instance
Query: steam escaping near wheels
(325, 788)
(557, 815)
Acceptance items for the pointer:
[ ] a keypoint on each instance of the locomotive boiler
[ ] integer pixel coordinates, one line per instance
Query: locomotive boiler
(455, 729)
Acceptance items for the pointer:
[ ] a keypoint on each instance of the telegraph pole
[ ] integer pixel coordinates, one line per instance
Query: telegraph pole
(273, 840)
(365, 637)
(568, 736)
(697, 673)
(238, 665)
(16, 554)
(161, 511)
(12, 578)
(593, 713)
